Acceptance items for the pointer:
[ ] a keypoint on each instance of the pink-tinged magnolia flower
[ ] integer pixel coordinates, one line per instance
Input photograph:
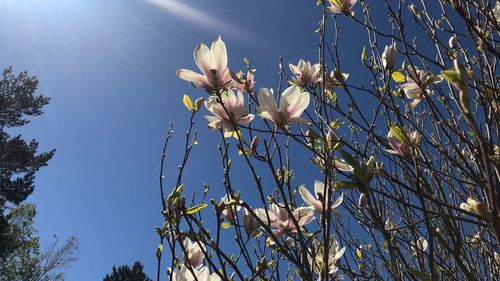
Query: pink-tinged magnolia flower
(292, 103)
(201, 274)
(317, 201)
(247, 83)
(341, 6)
(234, 104)
(279, 218)
(229, 212)
(416, 84)
(194, 252)
(213, 64)
(304, 72)
(334, 79)
(400, 146)
(316, 259)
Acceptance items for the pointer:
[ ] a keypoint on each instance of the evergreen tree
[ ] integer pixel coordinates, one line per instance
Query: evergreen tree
(125, 273)
(19, 160)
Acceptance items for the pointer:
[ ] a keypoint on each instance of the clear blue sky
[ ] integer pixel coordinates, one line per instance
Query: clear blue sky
(109, 66)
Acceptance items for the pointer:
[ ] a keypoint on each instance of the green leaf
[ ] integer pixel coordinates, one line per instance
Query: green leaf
(399, 134)
(226, 225)
(338, 185)
(188, 102)
(363, 55)
(196, 209)
(451, 76)
(419, 274)
(398, 77)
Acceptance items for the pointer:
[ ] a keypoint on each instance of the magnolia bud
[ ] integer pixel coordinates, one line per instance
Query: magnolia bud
(255, 143)
(330, 139)
(362, 201)
(389, 56)
(250, 222)
(369, 168)
(452, 42)
(197, 104)
(413, 8)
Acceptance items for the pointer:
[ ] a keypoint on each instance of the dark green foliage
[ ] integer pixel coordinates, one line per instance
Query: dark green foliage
(19, 160)
(125, 273)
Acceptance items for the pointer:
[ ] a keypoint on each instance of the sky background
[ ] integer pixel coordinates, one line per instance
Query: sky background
(109, 67)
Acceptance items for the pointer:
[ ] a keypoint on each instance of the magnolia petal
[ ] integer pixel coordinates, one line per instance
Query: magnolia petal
(262, 215)
(219, 54)
(268, 108)
(214, 277)
(213, 121)
(414, 103)
(300, 105)
(245, 120)
(196, 79)
(309, 199)
(342, 166)
(338, 201)
(203, 59)
(277, 233)
(340, 253)
(288, 98)
(319, 187)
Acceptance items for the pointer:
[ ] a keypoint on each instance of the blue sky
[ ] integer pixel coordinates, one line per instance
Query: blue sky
(109, 66)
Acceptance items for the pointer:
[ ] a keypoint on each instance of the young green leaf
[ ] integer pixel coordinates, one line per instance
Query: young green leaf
(398, 77)
(196, 209)
(188, 102)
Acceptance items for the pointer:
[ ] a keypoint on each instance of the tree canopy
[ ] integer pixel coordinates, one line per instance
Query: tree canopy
(19, 159)
(126, 273)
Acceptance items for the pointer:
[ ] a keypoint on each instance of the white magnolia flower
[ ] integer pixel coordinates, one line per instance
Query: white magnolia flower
(292, 103)
(283, 223)
(304, 72)
(389, 56)
(317, 201)
(234, 105)
(416, 84)
(317, 258)
(213, 64)
(341, 6)
(195, 253)
(201, 274)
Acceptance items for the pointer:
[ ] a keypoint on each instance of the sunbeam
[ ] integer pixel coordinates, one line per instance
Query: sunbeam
(201, 19)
